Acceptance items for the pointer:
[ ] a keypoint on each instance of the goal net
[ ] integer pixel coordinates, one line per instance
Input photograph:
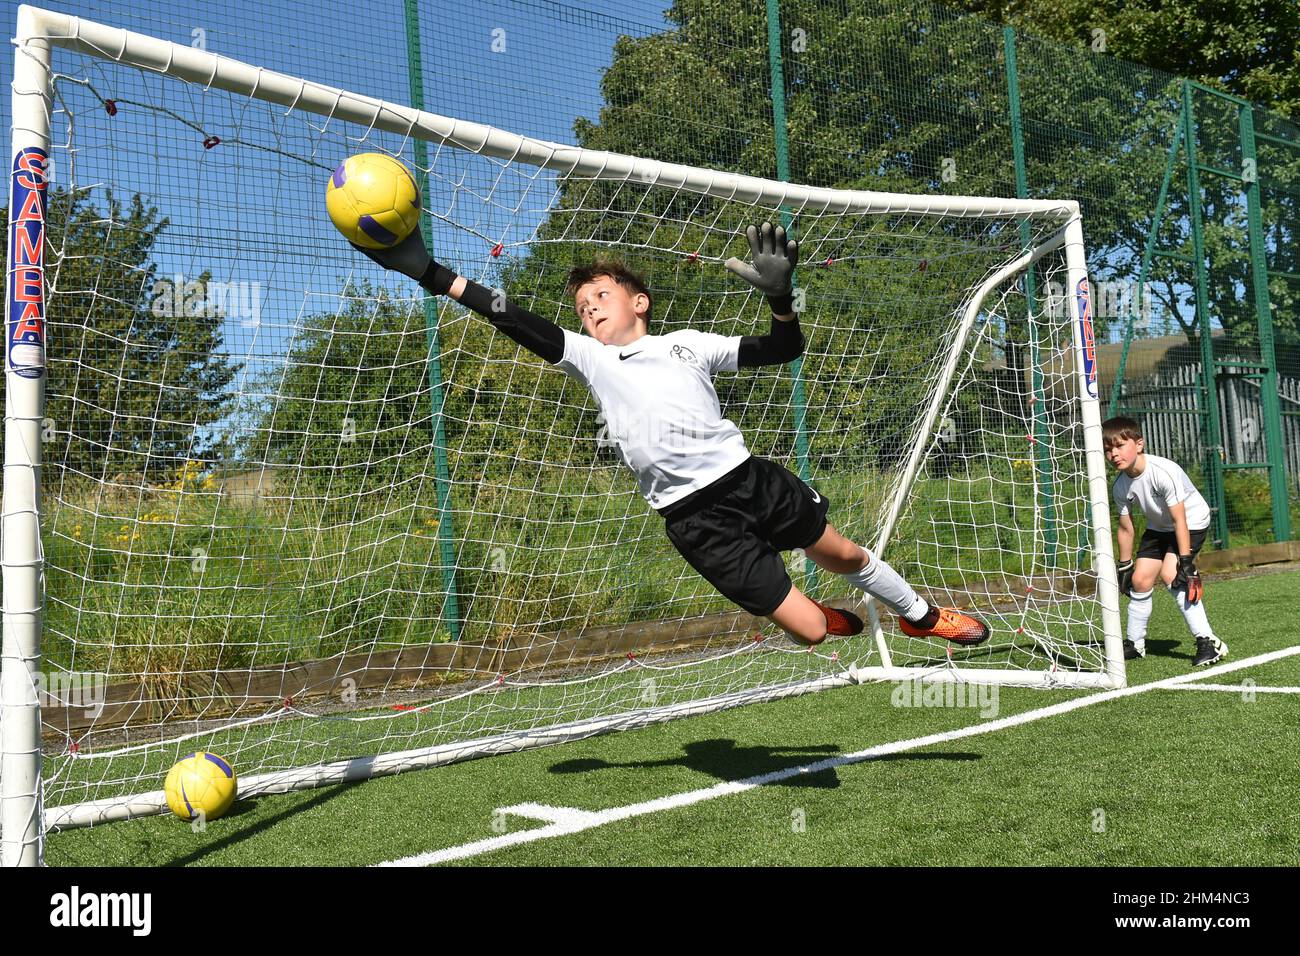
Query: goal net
(265, 500)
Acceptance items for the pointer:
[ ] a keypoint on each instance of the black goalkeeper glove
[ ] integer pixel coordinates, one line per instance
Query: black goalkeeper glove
(411, 258)
(772, 272)
(1189, 578)
(1125, 571)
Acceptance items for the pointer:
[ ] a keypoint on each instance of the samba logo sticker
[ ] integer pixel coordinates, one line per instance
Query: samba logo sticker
(1086, 340)
(26, 333)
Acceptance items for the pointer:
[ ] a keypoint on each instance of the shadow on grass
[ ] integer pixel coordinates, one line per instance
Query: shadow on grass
(1170, 649)
(248, 806)
(726, 761)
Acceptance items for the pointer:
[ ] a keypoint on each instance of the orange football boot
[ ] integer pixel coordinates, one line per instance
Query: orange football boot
(950, 625)
(840, 623)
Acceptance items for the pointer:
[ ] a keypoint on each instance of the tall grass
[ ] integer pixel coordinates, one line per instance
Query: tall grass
(168, 581)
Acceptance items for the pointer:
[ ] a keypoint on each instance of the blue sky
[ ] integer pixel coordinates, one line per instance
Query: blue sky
(548, 73)
(252, 209)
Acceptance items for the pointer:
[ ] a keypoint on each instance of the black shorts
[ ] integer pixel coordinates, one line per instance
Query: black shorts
(733, 531)
(1156, 544)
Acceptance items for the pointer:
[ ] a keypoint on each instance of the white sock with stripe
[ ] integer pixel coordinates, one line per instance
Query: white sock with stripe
(1193, 614)
(1139, 612)
(888, 587)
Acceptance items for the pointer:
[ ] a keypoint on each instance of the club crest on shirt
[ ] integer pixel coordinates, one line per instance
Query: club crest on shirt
(683, 355)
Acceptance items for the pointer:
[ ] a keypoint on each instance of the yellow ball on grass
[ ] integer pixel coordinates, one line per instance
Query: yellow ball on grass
(202, 784)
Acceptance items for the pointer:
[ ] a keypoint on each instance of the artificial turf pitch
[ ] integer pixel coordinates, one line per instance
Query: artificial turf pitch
(1167, 777)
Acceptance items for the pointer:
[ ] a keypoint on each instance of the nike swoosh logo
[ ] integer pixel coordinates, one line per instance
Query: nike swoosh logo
(816, 498)
(622, 356)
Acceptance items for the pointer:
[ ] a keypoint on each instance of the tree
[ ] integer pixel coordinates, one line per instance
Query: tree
(881, 96)
(352, 407)
(1245, 47)
(136, 386)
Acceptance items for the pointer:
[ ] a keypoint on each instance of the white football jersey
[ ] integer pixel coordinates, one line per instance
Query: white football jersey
(657, 399)
(1161, 484)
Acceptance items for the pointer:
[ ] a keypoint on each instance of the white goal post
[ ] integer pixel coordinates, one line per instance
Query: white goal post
(977, 468)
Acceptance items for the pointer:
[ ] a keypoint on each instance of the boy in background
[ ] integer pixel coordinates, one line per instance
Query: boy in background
(1178, 519)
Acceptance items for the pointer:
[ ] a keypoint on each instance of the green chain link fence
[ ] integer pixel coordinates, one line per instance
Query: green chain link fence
(904, 95)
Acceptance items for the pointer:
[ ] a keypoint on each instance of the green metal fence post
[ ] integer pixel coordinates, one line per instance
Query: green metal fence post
(442, 479)
(1148, 253)
(1264, 314)
(1042, 455)
(783, 173)
(1209, 398)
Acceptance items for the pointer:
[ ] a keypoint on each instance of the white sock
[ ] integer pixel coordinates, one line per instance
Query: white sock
(885, 585)
(1139, 612)
(1193, 614)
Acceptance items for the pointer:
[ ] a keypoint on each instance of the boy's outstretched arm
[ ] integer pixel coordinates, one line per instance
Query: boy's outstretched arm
(409, 257)
(771, 273)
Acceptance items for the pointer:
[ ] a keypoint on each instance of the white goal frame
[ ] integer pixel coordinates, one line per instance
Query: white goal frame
(22, 817)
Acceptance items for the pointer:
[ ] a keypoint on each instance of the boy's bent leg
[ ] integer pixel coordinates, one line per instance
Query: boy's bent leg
(1169, 568)
(836, 553)
(873, 575)
(809, 623)
(1146, 571)
(1208, 647)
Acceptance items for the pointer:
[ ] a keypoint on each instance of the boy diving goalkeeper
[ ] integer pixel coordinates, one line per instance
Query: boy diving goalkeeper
(730, 514)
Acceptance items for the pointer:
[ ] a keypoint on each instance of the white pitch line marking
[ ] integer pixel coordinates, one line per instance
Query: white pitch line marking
(589, 820)
(1238, 688)
(540, 811)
